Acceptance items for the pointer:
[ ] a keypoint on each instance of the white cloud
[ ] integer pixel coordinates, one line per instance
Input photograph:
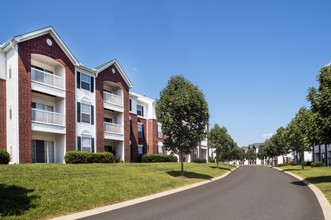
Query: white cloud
(267, 135)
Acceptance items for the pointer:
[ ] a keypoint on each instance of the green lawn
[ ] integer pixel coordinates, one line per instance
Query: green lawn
(319, 176)
(40, 191)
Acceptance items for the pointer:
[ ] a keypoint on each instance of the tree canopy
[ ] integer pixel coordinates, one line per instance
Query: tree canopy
(183, 112)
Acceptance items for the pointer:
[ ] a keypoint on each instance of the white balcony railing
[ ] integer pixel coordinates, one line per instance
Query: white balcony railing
(160, 134)
(114, 128)
(112, 98)
(47, 117)
(47, 78)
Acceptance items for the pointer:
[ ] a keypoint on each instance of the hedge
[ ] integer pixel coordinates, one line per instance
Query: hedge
(158, 158)
(317, 164)
(199, 160)
(4, 157)
(87, 157)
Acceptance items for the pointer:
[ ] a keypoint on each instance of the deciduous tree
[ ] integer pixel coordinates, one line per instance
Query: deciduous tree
(183, 112)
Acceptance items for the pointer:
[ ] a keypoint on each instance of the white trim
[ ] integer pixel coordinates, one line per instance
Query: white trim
(119, 68)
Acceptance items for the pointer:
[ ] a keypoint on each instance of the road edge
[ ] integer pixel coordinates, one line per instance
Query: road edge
(324, 203)
(124, 204)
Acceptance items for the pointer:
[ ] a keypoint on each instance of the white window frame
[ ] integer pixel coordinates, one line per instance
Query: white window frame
(86, 113)
(141, 110)
(82, 143)
(84, 78)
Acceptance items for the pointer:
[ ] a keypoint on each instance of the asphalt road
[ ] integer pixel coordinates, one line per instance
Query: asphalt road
(250, 192)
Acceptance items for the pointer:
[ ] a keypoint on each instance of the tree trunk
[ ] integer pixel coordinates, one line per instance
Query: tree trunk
(181, 163)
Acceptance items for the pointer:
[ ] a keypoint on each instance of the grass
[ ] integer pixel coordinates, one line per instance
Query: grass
(40, 191)
(319, 176)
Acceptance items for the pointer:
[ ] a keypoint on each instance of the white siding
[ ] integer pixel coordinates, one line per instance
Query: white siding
(2, 65)
(12, 103)
(87, 97)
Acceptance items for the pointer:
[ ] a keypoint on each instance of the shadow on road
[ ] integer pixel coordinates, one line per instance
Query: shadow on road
(15, 200)
(298, 183)
(190, 175)
(221, 168)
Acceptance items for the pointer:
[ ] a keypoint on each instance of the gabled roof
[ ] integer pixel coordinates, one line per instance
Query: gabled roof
(31, 35)
(118, 66)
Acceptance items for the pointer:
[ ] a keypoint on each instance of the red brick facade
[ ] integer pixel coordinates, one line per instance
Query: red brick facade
(108, 75)
(39, 46)
(3, 122)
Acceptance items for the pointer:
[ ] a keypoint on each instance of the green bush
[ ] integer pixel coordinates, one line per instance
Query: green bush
(317, 164)
(304, 163)
(158, 158)
(293, 163)
(4, 157)
(199, 160)
(87, 157)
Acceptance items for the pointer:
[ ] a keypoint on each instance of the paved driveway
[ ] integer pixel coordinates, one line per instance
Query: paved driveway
(250, 192)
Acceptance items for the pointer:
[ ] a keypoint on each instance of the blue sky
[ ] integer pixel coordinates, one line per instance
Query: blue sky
(253, 59)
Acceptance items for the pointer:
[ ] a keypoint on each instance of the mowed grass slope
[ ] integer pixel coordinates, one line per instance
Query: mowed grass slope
(319, 176)
(40, 191)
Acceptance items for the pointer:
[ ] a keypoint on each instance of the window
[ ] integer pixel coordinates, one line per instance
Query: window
(140, 130)
(140, 110)
(86, 144)
(130, 104)
(140, 150)
(85, 81)
(108, 120)
(44, 107)
(159, 130)
(43, 151)
(86, 113)
(195, 153)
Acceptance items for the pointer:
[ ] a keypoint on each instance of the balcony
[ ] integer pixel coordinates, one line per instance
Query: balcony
(112, 101)
(48, 121)
(113, 131)
(47, 82)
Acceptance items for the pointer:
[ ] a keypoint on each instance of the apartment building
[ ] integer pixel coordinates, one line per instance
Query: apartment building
(50, 104)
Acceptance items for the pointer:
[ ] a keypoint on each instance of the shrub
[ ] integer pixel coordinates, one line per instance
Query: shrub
(199, 160)
(158, 158)
(304, 163)
(4, 157)
(87, 157)
(317, 164)
(293, 163)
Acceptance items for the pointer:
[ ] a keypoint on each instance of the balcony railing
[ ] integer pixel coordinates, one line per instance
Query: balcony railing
(160, 134)
(47, 78)
(114, 128)
(112, 98)
(47, 117)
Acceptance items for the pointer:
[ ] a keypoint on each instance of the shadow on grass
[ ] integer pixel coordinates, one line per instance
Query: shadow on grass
(14, 200)
(221, 168)
(190, 175)
(319, 179)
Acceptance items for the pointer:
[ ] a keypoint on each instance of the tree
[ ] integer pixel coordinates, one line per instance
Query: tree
(301, 132)
(222, 142)
(281, 143)
(251, 155)
(183, 112)
(262, 154)
(320, 100)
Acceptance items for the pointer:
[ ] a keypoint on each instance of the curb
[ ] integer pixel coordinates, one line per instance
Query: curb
(324, 203)
(108, 208)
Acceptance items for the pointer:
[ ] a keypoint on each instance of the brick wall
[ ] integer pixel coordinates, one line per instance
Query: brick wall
(39, 46)
(3, 122)
(153, 139)
(134, 137)
(108, 75)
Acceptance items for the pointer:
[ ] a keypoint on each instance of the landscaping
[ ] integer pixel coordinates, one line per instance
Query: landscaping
(319, 176)
(40, 191)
